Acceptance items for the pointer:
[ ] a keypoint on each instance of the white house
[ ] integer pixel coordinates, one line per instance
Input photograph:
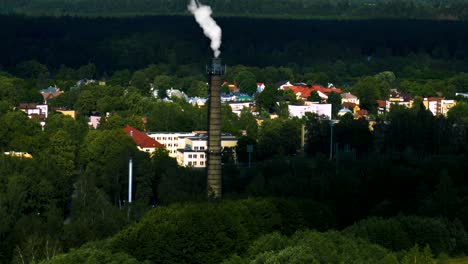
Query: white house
(349, 98)
(35, 110)
(319, 109)
(171, 140)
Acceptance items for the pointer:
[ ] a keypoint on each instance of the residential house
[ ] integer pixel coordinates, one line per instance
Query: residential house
(197, 101)
(239, 106)
(50, 92)
(71, 113)
(282, 84)
(143, 141)
(351, 106)
(319, 109)
(94, 121)
(36, 111)
(349, 98)
(465, 95)
(260, 87)
(344, 111)
(193, 154)
(398, 98)
(176, 93)
(232, 87)
(381, 107)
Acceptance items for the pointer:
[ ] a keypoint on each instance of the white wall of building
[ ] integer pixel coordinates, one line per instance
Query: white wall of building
(319, 109)
(172, 141)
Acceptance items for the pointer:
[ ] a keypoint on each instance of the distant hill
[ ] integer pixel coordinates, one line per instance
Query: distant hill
(334, 9)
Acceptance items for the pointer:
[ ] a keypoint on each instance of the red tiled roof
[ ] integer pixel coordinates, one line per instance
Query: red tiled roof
(306, 91)
(324, 90)
(382, 103)
(141, 139)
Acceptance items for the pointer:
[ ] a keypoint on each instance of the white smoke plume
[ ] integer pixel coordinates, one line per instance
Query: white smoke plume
(203, 17)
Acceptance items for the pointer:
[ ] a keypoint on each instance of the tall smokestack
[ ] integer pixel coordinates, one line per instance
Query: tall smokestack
(214, 176)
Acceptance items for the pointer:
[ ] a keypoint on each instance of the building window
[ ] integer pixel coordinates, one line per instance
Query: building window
(196, 148)
(194, 156)
(164, 138)
(202, 163)
(202, 148)
(194, 163)
(170, 145)
(159, 138)
(190, 163)
(190, 156)
(176, 145)
(170, 138)
(202, 156)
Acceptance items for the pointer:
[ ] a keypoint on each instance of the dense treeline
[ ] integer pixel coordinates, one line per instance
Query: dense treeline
(122, 43)
(434, 9)
(267, 230)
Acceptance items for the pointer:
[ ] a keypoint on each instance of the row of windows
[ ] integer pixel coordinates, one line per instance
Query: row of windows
(166, 138)
(190, 163)
(199, 148)
(170, 145)
(194, 156)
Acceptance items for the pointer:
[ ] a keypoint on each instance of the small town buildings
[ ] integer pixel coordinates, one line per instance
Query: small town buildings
(94, 121)
(17, 154)
(70, 113)
(232, 87)
(349, 98)
(197, 101)
(236, 97)
(344, 111)
(36, 111)
(438, 105)
(319, 109)
(175, 93)
(172, 141)
(238, 107)
(193, 153)
(50, 92)
(302, 91)
(260, 87)
(143, 141)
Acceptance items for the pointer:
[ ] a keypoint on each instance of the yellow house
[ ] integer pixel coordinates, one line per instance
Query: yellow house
(71, 113)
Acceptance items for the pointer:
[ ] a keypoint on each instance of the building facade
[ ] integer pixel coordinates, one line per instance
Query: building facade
(193, 153)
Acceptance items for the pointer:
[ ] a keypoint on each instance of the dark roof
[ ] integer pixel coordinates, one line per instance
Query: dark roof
(141, 139)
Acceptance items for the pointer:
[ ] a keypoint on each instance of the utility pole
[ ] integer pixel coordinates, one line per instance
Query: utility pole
(331, 138)
(130, 179)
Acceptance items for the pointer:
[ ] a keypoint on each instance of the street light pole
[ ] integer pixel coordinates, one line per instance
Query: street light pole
(331, 138)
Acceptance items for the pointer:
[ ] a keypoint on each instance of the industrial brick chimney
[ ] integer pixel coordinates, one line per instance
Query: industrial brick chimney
(214, 169)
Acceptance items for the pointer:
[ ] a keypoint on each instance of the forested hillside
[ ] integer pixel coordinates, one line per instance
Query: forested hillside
(433, 9)
(134, 43)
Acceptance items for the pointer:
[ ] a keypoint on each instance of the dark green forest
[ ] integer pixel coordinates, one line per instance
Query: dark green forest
(396, 193)
(112, 44)
(426, 9)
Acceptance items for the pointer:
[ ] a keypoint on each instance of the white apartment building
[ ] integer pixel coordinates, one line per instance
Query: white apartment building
(319, 109)
(171, 140)
(193, 152)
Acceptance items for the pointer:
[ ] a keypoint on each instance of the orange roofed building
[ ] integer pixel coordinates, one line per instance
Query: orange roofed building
(143, 141)
(303, 92)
